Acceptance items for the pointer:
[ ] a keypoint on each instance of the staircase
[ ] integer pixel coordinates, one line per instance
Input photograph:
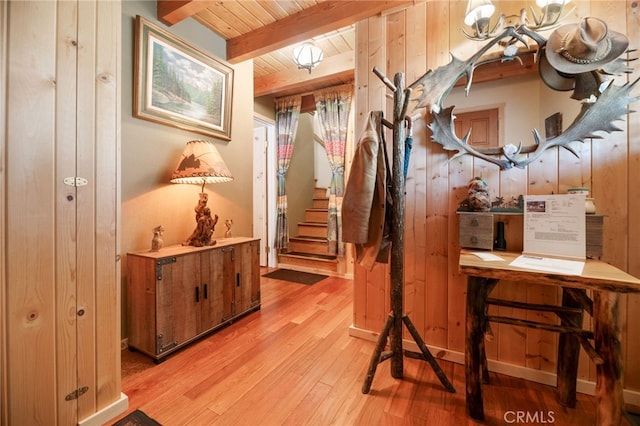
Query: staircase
(308, 249)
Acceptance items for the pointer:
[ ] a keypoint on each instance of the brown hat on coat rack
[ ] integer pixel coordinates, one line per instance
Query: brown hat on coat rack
(586, 46)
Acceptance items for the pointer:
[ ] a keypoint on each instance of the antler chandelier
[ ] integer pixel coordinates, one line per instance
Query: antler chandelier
(479, 13)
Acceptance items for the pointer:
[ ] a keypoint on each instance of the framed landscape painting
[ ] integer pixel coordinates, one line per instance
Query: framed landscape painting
(178, 85)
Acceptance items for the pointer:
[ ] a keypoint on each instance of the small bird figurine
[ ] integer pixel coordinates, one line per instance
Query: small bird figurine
(156, 242)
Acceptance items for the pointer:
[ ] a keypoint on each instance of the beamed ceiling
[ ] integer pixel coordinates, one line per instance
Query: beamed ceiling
(267, 32)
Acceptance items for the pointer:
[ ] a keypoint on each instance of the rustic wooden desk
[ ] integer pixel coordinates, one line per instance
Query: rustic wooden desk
(606, 281)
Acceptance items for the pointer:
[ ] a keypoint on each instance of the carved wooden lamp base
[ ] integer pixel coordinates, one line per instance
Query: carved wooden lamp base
(205, 225)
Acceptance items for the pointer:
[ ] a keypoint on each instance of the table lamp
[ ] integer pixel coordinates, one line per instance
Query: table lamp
(201, 163)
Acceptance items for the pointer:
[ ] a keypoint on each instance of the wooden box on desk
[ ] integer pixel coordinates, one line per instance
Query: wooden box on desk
(477, 231)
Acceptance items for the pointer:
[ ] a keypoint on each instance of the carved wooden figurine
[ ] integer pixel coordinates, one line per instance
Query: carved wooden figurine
(203, 234)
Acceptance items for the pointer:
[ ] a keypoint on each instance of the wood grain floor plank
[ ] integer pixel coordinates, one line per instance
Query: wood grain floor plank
(294, 363)
(300, 414)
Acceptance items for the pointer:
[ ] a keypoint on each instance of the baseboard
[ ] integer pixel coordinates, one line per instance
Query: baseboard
(107, 413)
(545, 377)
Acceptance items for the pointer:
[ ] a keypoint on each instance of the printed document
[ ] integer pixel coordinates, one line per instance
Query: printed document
(549, 264)
(555, 225)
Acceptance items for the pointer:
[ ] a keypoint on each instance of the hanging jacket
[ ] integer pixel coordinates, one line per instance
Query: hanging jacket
(366, 203)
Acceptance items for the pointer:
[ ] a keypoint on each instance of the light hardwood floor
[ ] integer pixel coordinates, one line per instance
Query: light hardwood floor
(294, 363)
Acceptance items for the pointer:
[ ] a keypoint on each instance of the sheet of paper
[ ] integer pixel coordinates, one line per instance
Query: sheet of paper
(488, 257)
(547, 264)
(554, 225)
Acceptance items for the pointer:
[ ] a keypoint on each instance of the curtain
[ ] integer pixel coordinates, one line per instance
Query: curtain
(332, 108)
(287, 114)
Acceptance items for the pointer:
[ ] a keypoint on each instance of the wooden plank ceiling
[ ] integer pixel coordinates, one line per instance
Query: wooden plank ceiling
(268, 31)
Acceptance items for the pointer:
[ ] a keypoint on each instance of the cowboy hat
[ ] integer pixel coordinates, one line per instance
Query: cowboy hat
(553, 78)
(585, 46)
(583, 85)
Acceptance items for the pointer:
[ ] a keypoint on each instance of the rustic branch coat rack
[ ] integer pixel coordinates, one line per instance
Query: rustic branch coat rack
(393, 326)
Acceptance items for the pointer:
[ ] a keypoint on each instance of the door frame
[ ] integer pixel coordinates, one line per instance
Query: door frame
(265, 188)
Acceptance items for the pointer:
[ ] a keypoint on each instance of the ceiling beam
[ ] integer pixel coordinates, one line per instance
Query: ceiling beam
(337, 66)
(308, 103)
(171, 12)
(314, 21)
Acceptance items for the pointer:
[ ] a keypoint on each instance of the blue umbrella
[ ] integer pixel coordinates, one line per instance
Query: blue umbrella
(408, 144)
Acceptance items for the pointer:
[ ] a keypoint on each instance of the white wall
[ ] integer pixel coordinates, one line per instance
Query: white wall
(321, 164)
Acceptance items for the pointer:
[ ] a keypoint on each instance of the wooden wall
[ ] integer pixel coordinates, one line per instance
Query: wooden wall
(419, 38)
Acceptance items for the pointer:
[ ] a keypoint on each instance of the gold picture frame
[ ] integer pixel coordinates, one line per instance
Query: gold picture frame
(177, 85)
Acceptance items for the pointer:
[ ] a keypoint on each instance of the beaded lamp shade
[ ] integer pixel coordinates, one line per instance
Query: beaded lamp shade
(201, 163)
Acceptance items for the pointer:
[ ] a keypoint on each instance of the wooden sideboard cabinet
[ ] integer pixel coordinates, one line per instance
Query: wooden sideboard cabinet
(180, 293)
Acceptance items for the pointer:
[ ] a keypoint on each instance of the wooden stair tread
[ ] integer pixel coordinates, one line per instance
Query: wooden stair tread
(309, 238)
(308, 249)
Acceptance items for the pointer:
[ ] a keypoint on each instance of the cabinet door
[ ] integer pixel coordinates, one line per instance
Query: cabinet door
(177, 308)
(213, 292)
(247, 268)
(228, 282)
(141, 301)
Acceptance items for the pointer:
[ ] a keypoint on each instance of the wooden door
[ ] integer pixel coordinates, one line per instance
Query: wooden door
(61, 349)
(31, 185)
(483, 125)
